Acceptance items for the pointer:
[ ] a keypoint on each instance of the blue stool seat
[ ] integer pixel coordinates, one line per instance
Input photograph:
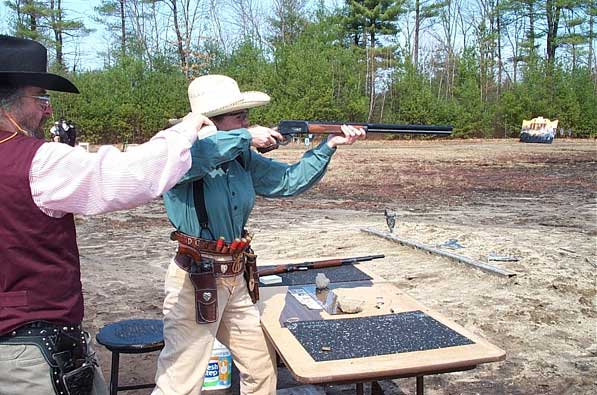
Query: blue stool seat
(130, 337)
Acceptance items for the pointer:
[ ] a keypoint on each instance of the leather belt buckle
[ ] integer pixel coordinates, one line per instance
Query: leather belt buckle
(233, 266)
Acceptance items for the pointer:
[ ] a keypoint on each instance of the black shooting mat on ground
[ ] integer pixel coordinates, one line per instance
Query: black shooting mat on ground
(336, 274)
(375, 335)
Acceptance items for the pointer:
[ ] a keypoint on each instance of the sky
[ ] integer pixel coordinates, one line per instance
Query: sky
(89, 48)
(80, 10)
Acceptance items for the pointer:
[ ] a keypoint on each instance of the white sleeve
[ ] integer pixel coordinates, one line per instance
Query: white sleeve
(64, 179)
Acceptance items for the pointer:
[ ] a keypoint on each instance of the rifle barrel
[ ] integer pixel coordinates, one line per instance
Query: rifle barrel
(362, 258)
(303, 127)
(411, 129)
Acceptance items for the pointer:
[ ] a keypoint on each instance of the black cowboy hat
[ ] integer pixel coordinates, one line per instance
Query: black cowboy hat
(24, 62)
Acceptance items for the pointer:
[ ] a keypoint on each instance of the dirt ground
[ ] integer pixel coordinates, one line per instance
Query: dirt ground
(532, 201)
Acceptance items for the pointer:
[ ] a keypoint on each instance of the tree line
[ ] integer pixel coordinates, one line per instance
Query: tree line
(480, 65)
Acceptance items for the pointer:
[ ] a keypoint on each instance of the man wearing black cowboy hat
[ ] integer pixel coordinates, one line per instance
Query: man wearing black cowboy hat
(42, 346)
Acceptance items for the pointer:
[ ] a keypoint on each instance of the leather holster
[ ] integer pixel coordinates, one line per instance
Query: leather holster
(251, 275)
(64, 347)
(206, 293)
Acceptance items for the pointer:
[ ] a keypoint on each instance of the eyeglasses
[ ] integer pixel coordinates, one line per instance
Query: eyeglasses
(43, 99)
(243, 114)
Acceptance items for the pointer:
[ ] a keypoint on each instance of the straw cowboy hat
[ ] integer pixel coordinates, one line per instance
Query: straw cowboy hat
(25, 62)
(213, 95)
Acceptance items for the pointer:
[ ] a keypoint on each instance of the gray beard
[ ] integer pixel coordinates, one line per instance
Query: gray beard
(38, 134)
(35, 134)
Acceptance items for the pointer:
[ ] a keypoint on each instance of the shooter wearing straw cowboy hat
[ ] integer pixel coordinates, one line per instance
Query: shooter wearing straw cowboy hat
(211, 283)
(43, 348)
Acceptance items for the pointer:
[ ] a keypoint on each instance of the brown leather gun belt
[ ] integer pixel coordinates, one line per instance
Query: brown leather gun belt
(222, 268)
(205, 261)
(193, 249)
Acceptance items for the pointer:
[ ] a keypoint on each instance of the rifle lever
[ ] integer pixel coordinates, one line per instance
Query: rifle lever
(272, 147)
(269, 148)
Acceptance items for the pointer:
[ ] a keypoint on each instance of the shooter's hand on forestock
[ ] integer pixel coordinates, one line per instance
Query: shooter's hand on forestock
(200, 123)
(349, 135)
(263, 137)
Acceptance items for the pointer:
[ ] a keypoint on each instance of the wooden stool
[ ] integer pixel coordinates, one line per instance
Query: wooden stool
(130, 337)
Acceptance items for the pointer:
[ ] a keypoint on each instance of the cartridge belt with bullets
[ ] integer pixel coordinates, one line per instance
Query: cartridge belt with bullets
(193, 249)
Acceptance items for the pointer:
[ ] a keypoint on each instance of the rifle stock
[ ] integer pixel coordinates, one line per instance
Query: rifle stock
(287, 268)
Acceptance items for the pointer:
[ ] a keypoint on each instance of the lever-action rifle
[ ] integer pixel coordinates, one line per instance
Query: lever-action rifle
(291, 128)
(278, 269)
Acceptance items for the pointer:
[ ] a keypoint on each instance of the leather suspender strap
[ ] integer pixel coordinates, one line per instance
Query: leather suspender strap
(199, 199)
(200, 209)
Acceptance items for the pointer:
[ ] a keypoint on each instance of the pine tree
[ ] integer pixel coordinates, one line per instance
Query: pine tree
(47, 22)
(424, 10)
(289, 21)
(367, 21)
(108, 11)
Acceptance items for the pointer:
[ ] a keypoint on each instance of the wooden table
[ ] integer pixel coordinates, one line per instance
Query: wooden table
(279, 308)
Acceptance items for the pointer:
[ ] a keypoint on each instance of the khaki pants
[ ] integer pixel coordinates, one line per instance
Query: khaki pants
(188, 345)
(23, 370)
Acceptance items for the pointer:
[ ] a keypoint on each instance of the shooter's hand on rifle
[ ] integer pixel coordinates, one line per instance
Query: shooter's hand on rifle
(349, 135)
(263, 137)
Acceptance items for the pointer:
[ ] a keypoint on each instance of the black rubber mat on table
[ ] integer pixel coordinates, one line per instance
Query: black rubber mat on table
(336, 274)
(329, 340)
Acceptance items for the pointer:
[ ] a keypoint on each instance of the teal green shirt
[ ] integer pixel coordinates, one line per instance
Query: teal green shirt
(230, 185)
